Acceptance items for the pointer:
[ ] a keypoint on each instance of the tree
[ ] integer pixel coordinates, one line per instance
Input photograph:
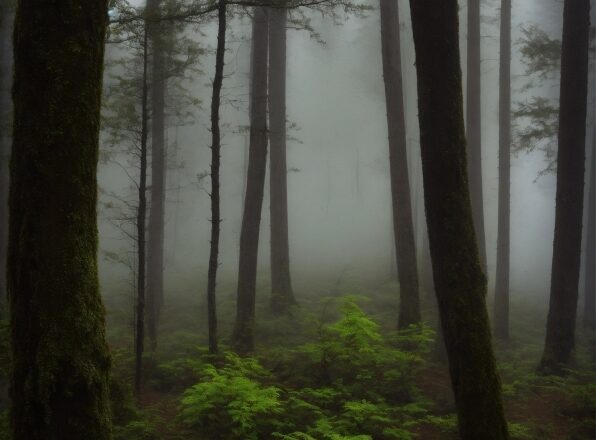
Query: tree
(473, 126)
(589, 318)
(460, 283)
(61, 363)
(403, 228)
(282, 295)
(502, 276)
(215, 164)
(560, 328)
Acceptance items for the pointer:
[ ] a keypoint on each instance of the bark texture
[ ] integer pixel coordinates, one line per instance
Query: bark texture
(59, 383)
(473, 127)
(155, 236)
(215, 164)
(460, 284)
(403, 227)
(282, 296)
(560, 327)
(243, 336)
(501, 322)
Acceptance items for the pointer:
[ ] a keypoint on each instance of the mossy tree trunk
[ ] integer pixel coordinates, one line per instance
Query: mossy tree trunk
(155, 233)
(460, 283)
(560, 327)
(243, 336)
(215, 165)
(501, 323)
(403, 227)
(282, 296)
(59, 384)
(473, 126)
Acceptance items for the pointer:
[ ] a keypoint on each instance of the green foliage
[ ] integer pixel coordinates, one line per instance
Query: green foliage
(541, 54)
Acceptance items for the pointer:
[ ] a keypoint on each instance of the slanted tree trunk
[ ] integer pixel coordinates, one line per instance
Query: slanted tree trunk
(403, 228)
(501, 324)
(140, 224)
(560, 327)
(460, 283)
(59, 383)
(215, 164)
(243, 336)
(589, 317)
(155, 237)
(6, 28)
(282, 296)
(473, 127)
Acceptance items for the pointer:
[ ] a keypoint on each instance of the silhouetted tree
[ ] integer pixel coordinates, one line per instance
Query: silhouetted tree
(501, 323)
(560, 329)
(403, 228)
(589, 318)
(59, 385)
(460, 283)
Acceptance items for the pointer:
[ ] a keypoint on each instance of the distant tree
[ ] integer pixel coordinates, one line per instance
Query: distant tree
(282, 295)
(60, 360)
(460, 283)
(589, 317)
(473, 126)
(215, 165)
(243, 336)
(501, 321)
(560, 329)
(403, 227)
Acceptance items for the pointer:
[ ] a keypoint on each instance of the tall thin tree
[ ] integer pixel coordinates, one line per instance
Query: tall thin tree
(282, 295)
(60, 375)
(403, 227)
(215, 165)
(501, 323)
(589, 316)
(243, 336)
(460, 283)
(560, 328)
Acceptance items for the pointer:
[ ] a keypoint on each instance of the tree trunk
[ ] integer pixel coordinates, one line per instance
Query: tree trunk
(155, 237)
(141, 218)
(473, 127)
(501, 324)
(589, 318)
(60, 360)
(460, 283)
(282, 296)
(403, 228)
(215, 163)
(243, 337)
(6, 28)
(560, 328)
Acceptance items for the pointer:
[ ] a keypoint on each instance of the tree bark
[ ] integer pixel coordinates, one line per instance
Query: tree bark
(403, 227)
(473, 127)
(243, 336)
(282, 296)
(501, 324)
(460, 283)
(140, 224)
(560, 328)
(155, 237)
(589, 317)
(59, 383)
(215, 165)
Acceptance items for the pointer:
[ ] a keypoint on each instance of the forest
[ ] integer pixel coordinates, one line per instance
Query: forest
(297, 219)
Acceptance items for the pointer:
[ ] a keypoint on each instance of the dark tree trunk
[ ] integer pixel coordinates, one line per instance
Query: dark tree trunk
(403, 228)
(6, 27)
(243, 337)
(282, 296)
(560, 327)
(140, 223)
(501, 324)
(589, 318)
(215, 163)
(460, 283)
(155, 237)
(473, 127)
(60, 360)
